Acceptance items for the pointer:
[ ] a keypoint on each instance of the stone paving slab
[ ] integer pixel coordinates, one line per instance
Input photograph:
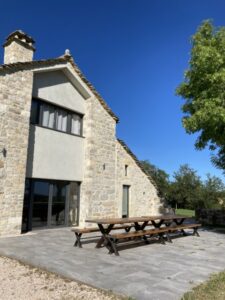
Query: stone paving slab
(145, 272)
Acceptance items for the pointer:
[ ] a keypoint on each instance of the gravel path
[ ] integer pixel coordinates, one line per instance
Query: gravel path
(19, 281)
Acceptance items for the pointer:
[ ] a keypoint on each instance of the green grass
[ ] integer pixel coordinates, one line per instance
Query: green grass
(212, 289)
(185, 212)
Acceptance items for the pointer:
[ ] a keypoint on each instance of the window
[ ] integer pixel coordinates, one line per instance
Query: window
(54, 117)
(126, 170)
(61, 120)
(76, 124)
(47, 116)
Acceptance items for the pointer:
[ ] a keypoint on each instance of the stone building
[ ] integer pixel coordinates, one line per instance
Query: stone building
(60, 160)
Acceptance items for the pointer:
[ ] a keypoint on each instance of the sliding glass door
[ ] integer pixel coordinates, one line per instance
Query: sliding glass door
(50, 203)
(40, 203)
(58, 205)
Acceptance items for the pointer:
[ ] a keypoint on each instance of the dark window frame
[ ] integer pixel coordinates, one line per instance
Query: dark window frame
(38, 118)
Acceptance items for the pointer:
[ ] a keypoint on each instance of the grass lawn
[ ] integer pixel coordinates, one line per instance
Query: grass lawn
(185, 212)
(212, 289)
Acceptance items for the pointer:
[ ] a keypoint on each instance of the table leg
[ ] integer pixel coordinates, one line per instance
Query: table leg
(104, 231)
(78, 241)
(138, 226)
(179, 222)
(157, 224)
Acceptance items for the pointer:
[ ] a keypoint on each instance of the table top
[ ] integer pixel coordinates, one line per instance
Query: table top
(135, 219)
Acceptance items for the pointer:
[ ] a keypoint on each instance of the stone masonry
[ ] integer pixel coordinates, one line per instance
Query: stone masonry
(105, 156)
(14, 124)
(15, 101)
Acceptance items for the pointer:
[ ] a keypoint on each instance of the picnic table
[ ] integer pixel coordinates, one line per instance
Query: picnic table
(139, 223)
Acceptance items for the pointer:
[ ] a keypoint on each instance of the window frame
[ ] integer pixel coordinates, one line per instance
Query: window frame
(39, 117)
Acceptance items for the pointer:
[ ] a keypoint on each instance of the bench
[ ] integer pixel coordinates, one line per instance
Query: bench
(80, 231)
(111, 240)
(182, 227)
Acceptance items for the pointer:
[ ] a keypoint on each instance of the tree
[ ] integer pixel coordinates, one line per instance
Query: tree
(160, 177)
(213, 193)
(185, 190)
(204, 91)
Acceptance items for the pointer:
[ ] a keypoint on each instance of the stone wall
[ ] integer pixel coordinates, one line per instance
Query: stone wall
(14, 52)
(98, 187)
(15, 101)
(210, 216)
(143, 198)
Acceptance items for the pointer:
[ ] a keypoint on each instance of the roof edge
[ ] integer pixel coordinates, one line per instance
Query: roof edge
(137, 161)
(62, 59)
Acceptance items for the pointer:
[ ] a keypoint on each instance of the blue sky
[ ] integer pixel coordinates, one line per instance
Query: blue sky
(134, 52)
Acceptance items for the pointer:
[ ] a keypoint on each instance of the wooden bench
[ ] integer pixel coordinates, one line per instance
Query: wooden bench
(80, 231)
(111, 240)
(182, 227)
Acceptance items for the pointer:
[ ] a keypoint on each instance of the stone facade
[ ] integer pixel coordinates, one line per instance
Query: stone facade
(15, 100)
(18, 48)
(144, 199)
(104, 156)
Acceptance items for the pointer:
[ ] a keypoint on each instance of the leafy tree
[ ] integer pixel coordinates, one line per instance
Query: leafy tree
(160, 177)
(204, 91)
(185, 190)
(213, 193)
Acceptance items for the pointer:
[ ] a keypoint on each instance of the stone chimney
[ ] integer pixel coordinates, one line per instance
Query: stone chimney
(19, 47)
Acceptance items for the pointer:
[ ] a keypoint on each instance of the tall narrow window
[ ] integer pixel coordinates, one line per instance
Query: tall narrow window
(76, 124)
(48, 116)
(126, 170)
(61, 121)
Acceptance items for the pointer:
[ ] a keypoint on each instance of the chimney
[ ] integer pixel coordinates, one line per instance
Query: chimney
(19, 47)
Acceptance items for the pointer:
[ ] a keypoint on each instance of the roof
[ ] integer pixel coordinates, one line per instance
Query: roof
(22, 38)
(19, 66)
(124, 145)
(22, 35)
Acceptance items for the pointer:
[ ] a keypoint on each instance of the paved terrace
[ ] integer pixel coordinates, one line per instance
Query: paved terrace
(153, 271)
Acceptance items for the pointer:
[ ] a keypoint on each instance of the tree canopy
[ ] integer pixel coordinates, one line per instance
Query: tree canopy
(186, 189)
(204, 91)
(160, 177)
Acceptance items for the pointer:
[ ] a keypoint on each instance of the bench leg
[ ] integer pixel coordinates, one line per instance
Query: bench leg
(195, 232)
(78, 241)
(183, 232)
(168, 237)
(108, 245)
(161, 239)
(145, 239)
(112, 245)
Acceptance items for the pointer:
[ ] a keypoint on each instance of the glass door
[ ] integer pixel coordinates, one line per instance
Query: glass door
(58, 203)
(40, 199)
(74, 196)
(49, 203)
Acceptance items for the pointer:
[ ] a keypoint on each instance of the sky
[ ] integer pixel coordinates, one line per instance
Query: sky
(134, 52)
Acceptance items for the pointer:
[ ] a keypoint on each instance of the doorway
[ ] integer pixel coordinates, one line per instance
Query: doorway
(125, 201)
(49, 203)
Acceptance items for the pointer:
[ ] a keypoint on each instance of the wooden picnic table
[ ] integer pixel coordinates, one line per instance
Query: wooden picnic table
(139, 223)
